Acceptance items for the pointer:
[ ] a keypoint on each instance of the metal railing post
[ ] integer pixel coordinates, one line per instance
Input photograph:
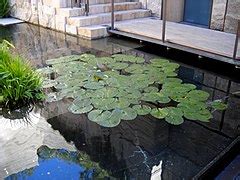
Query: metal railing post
(164, 10)
(87, 7)
(71, 3)
(236, 41)
(112, 16)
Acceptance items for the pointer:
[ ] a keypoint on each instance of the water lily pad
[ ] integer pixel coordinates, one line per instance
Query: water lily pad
(64, 59)
(151, 89)
(174, 116)
(116, 86)
(129, 114)
(105, 60)
(198, 95)
(82, 102)
(142, 109)
(219, 105)
(159, 62)
(93, 85)
(128, 58)
(135, 69)
(106, 92)
(103, 103)
(159, 113)
(88, 58)
(75, 109)
(118, 65)
(163, 99)
(106, 118)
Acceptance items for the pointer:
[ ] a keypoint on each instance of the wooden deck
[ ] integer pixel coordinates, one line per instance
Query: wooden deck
(209, 43)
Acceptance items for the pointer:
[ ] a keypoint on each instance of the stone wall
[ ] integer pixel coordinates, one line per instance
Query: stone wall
(225, 15)
(218, 13)
(232, 16)
(42, 12)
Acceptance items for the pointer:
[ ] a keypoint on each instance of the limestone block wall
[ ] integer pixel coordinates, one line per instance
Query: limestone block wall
(232, 16)
(154, 5)
(218, 14)
(42, 12)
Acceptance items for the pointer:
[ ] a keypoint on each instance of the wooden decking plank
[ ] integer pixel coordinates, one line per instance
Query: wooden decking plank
(211, 41)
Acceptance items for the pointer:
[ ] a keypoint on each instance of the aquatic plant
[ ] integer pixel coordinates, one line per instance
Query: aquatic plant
(121, 87)
(4, 8)
(19, 83)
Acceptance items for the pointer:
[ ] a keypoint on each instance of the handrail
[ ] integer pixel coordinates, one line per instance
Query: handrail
(236, 42)
(112, 15)
(164, 14)
(87, 7)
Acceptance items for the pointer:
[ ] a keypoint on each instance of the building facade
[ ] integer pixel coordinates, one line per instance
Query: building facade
(221, 15)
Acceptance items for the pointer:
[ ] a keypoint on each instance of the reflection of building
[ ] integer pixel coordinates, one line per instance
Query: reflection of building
(19, 143)
(134, 147)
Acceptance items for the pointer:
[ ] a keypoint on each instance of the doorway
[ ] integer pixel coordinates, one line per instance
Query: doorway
(198, 12)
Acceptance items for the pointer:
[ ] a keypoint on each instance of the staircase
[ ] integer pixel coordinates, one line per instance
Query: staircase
(95, 24)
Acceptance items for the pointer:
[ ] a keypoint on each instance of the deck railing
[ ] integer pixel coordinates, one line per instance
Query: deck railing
(81, 3)
(237, 42)
(164, 28)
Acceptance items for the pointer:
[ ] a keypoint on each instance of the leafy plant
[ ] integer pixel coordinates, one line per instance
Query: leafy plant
(19, 83)
(4, 8)
(111, 89)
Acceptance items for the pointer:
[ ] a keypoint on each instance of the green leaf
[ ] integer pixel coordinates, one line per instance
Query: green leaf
(219, 105)
(174, 116)
(106, 118)
(118, 65)
(142, 109)
(128, 114)
(93, 85)
(159, 113)
(198, 95)
(80, 110)
(135, 69)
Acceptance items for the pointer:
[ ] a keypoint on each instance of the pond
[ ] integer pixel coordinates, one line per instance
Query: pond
(47, 141)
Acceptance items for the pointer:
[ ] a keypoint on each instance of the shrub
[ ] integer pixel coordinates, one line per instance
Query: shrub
(4, 8)
(19, 83)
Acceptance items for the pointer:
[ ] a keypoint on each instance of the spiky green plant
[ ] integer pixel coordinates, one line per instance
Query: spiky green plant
(19, 83)
(4, 8)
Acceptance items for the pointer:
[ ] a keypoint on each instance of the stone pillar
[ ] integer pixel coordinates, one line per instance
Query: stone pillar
(218, 13)
(232, 16)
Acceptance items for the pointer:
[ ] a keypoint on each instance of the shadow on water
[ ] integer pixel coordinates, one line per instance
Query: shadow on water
(131, 149)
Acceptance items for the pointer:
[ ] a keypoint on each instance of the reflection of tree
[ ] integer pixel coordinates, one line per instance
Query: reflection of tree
(80, 158)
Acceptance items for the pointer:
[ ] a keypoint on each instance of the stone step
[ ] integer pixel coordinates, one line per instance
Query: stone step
(102, 18)
(92, 2)
(98, 9)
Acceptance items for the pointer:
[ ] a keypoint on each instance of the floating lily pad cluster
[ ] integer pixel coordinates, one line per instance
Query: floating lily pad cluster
(121, 87)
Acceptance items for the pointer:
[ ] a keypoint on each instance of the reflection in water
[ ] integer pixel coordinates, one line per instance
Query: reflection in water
(129, 150)
(61, 164)
(19, 142)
